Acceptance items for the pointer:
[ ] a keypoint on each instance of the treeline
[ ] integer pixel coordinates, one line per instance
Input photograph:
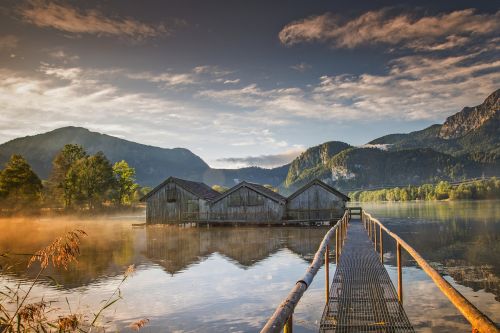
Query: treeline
(77, 181)
(475, 190)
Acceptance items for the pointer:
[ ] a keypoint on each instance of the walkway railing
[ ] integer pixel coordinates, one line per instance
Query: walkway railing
(283, 316)
(480, 322)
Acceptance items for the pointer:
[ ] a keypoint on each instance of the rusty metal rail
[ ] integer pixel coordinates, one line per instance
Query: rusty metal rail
(282, 318)
(480, 322)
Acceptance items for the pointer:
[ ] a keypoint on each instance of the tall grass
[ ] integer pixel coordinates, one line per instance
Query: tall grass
(20, 313)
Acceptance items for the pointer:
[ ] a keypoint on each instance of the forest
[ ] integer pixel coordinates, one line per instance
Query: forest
(78, 181)
(474, 190)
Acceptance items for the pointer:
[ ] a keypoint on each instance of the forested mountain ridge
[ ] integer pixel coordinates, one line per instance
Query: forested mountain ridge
(152, 164)
(466, 145)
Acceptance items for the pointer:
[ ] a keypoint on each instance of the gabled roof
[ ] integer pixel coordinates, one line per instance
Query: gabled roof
(322, 184)
(257, 188)
(201, 190)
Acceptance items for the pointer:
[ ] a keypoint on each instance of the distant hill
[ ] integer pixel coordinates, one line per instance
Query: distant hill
(152, 164)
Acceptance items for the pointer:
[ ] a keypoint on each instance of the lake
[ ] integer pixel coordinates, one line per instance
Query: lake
(230, 279)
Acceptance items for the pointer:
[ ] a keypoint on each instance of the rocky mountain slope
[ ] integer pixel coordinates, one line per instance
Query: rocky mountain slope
(466, 145)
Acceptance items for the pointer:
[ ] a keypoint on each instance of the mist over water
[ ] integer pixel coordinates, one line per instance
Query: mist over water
(231, 279)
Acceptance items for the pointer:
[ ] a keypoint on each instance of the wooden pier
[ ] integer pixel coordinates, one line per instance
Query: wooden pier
(362, 297)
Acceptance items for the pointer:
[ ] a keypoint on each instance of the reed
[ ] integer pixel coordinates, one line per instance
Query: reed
(20, 313)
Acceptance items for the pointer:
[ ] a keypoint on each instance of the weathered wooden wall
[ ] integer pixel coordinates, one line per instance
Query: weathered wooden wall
(315, 203)
(253, 207)
(186, 206)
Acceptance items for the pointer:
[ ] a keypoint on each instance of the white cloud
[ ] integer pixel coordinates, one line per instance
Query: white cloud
(266, 161)
(383, 26)
(70, 19)
(301, 67)
(64, 57)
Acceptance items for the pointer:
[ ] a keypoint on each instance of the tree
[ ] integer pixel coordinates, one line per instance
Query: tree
(92, 177)
(19, 184)
(220, 188)
(125, 182)
(62, 187)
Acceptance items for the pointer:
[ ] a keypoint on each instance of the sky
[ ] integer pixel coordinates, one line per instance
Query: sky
(243, 82)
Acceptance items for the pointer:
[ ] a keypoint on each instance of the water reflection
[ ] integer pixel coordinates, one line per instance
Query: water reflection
(230, 279)
(460, 239)
(176, 248)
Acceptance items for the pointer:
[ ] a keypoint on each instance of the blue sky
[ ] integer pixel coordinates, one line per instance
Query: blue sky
(243, 82)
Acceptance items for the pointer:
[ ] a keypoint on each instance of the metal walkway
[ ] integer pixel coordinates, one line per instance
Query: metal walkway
(362, 296)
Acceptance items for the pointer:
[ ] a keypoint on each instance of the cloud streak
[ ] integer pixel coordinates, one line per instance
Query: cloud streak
(8, 42)
(266, 161)
(70, 19)
(385, 27)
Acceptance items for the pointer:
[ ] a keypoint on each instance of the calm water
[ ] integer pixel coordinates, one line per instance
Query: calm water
(231, 279)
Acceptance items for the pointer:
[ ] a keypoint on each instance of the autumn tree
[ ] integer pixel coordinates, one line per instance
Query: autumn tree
(19, 184)
(125, 182)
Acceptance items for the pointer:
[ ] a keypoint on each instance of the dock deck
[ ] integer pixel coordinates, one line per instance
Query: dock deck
(362, 297)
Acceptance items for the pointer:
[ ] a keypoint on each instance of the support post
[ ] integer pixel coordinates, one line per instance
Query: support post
(288, 325)
(381, 243)
(327, 272)
(400, 273)
(337, 246)
(375, 236)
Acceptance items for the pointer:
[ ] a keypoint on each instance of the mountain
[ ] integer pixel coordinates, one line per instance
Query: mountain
(466, 145)
(312, 160)
(152, 164)
(472, 130)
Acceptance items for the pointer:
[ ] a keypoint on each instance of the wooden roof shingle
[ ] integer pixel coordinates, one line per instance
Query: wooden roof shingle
(201, 190)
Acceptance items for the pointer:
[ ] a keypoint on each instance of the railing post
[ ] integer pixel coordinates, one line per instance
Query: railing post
(327, 272)
(337, 247)
(375, 236)
(381, 242)
(289, 325)
(400, 273)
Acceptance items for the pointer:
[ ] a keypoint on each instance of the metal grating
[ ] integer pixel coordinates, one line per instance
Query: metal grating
(362, 297)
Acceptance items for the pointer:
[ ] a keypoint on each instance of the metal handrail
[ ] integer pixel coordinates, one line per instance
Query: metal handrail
(282, 316)
(479, 321)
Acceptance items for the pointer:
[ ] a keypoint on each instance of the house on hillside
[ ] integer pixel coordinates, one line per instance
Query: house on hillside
(315, 201)
(178, 200)
(248, 202)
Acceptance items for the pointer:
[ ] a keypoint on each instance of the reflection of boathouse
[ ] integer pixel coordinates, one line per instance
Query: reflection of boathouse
(177, 200)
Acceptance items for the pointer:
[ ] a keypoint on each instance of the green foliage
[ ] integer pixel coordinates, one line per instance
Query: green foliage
(220, 188)
(19, 185)
(92, 178)
(125, 182)
(475, 190)
(61, 187)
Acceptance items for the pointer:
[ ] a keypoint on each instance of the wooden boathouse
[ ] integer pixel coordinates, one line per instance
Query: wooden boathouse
(180, 201)
(315, 201)
(177, 200)
(248, 202)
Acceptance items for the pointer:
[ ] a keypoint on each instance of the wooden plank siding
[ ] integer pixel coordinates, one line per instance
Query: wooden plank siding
(244, 204)
(178, 201)
(315, 202)
(181, 205)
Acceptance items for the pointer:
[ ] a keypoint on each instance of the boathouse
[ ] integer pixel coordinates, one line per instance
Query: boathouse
(177, 200)
(248, 202)
(315, 201)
